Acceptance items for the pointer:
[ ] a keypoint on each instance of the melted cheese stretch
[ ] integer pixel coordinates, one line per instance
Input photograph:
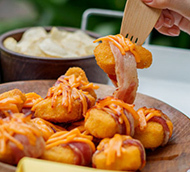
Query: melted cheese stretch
(17, 124)
(146, 114)
(123, 44)
(64, 137)
(116, 106)
(70, 87)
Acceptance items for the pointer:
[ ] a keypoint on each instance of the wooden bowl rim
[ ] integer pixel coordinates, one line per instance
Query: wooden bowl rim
(47, 28)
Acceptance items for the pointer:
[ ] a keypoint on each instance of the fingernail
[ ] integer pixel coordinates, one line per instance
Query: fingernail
(174, 32)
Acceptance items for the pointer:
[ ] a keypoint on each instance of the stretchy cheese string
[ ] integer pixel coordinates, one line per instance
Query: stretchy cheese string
(123, 44)
(17, 124)
(64, 137)
(146, 114)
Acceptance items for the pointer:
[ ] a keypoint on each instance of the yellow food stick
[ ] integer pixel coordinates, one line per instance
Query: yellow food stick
(38, 165)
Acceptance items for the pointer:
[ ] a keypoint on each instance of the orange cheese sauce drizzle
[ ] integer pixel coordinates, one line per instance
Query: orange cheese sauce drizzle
(10, 103)
(17, 124)
(110, 105)
(113, 147)
(64, 137)
(146, 114)
(123, 44)
(46, 127)
(70, 87)
(32, 99)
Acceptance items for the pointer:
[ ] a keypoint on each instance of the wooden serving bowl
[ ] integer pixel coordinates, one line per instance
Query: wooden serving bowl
(17, 67)
(173, 157)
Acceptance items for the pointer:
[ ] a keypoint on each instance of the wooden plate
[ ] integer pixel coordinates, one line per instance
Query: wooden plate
(175, 156)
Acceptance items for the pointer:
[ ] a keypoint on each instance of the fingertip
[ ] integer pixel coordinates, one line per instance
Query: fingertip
(174, 31)
(168, 18)
(160, 22)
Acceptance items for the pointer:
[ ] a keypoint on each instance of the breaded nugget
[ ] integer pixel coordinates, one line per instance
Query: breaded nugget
(46, 128)
(31, 99)
(19, 138)
(58, 113)
(100, 123)
(154, 129)
(78, 72)
(119, 153)
(152, 136)
(68, 100)
(110, 116)
(105, 58)
(12, 100)
(69, 147)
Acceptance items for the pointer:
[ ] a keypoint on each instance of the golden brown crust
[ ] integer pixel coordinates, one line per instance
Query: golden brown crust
(106, 61)
(15, 93)
(146, 57)
(120, 152)
(130, 160)
(60, 154)
(59, 113)
(69, 99)
(19, 138)
(105, 58)
(152, 136)
(79, 72)
(99, 123)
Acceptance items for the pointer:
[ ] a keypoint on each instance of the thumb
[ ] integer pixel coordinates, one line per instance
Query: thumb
(182, 7)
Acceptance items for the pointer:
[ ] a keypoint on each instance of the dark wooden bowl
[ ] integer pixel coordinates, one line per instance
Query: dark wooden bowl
(17, 67)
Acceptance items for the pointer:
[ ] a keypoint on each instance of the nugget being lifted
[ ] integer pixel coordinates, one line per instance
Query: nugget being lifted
(69, 98)
(119, 153)
(120, 58)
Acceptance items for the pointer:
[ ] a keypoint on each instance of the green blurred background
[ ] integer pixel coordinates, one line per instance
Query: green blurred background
(23, 13)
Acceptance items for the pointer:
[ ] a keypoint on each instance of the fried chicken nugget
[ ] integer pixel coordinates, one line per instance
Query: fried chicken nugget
(110, 116)
(31, 99)
(70, 147)
(68, 100)
(12, 100)
(106, 60)
(78, 72)
(119, 153)
(46, 128)
(155, 128)
(19, 138)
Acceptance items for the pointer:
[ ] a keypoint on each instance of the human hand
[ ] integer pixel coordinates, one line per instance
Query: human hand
(175, 16)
